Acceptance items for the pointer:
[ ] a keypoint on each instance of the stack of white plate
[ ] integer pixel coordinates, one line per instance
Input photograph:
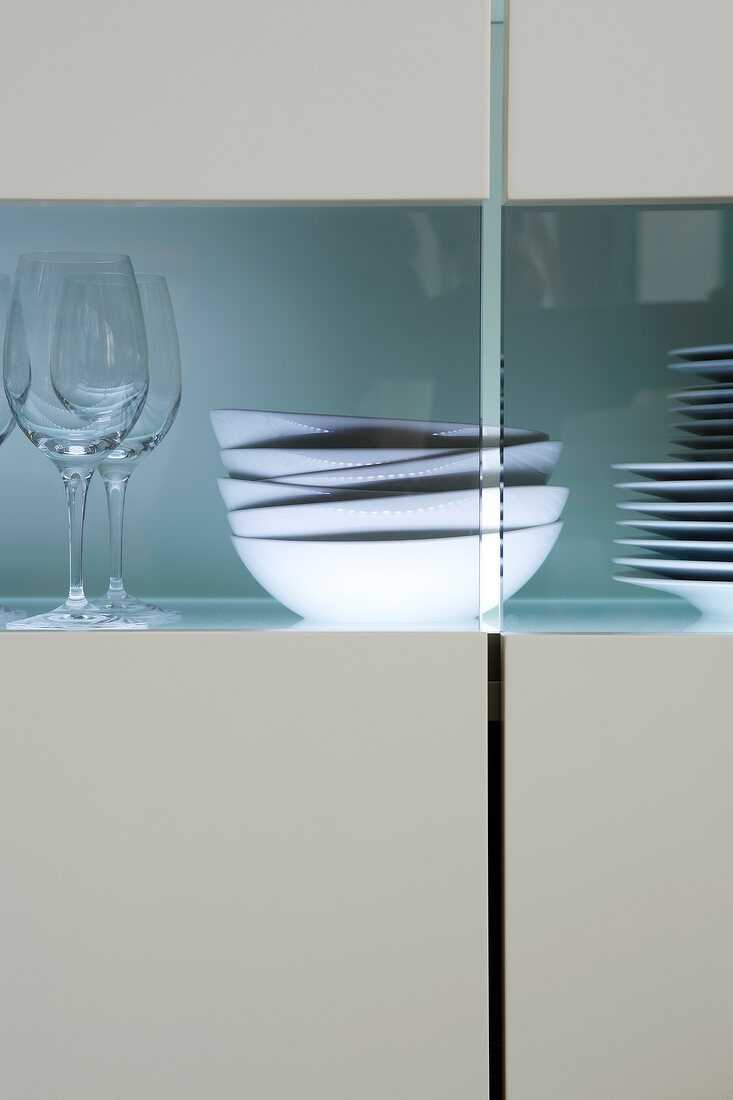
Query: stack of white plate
(369, 520)
(688, 503)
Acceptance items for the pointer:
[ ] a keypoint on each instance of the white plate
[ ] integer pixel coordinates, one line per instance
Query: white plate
(684, 569)
(705, 443)
(713, 598)
(700, 491)
(242, 492)
(395, 581)
(697, 530)
(705, 351)
(720, 370)
(524, 464)
(715, 429)
(524, 505)
(703, 395)
(717, 410)
(688, 549)
(677, 471)
(681, 510)
(251, 428)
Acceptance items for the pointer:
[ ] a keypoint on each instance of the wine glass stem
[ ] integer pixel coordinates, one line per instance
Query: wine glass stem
(76, 484)
(115, 485)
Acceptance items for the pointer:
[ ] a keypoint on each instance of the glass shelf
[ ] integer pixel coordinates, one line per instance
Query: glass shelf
(609, 616)
(253, 614)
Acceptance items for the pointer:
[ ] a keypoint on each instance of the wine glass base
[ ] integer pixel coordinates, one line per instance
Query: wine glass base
(137, 611)
(8, 613)
(65, 618)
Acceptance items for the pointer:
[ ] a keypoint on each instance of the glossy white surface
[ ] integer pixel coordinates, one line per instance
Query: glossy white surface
(683, 569)
(684, 510)
(208, 904)
(524, 506)
(530, 505)
(252, 428)
(255, 462)
(713, 598)
(415, 580)
(673, 470)
(252, 102)
(704, 352)
(692, 490)
(242, 492)
(609, 101)
(682, 529)
(618, 889)
(526, 463)
(692, 549)
(410, 512)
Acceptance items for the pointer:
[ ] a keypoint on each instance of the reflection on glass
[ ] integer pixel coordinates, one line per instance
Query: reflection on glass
(592, 312)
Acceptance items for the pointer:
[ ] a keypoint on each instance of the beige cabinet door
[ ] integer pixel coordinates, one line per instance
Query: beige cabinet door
(619, 100)
(243, 865)
(619, 868)
(245, 100)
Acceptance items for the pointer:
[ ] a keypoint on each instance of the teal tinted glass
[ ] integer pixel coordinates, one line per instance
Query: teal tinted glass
(596, 299)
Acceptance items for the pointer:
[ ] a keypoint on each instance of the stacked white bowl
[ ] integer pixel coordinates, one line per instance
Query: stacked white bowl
(691, 519)
(369, 520)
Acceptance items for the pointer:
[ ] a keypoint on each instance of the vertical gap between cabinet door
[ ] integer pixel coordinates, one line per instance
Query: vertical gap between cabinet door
(495, 825)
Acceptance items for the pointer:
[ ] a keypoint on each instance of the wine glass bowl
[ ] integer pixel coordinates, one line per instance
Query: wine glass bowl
(76, 379)
(76, 354)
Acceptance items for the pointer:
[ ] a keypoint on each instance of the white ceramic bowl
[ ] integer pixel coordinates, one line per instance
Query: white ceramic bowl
(256, 462)
(383, 468)
(448, 511)
(524, 505)
(251, 428)
(395, 581)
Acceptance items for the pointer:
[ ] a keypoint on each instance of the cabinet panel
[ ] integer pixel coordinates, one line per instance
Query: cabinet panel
(246, 101)
(619, 894)
(617, 100)
(244, 865)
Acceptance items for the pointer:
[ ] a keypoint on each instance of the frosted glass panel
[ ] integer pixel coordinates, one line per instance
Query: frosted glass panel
(599, 304)
(341, 311)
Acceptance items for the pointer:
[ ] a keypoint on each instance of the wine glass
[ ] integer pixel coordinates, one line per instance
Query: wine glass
(159, 411)
(76, 378)
(7, 421)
